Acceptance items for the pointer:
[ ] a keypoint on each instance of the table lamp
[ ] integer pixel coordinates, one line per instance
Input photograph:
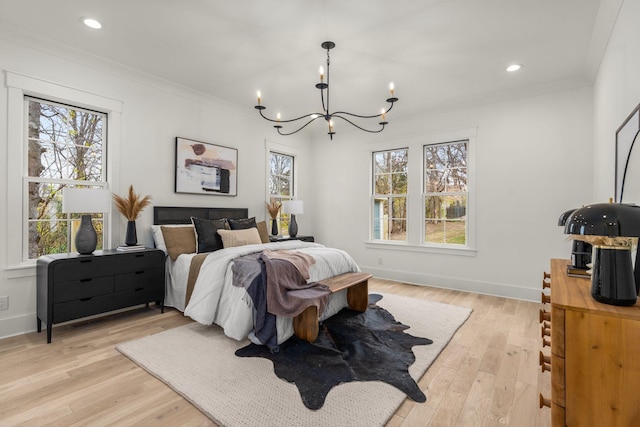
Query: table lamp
(293, 208)
(85, 201)
(612, 228)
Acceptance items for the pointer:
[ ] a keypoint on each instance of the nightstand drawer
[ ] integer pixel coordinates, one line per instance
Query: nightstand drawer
(81, 289)
(82, 268)
(138, 280)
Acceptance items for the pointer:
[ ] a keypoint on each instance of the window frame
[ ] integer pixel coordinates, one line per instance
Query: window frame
(415, 201)
(426, 194)
(376, 196)
(18, 86)
(27, 179)
(272, 148)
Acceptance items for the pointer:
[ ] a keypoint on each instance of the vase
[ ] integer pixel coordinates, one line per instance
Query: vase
(131, 238)
(86, 237)
(293, 226)
(274, 227)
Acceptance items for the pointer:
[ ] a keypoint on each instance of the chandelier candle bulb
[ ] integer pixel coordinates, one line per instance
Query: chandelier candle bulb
(391, 88)
(278, 117)
(259, 96)
(382, 114)
(321, 70)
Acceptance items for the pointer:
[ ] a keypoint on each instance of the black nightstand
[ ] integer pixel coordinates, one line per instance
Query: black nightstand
(72, 286)
(285, 238)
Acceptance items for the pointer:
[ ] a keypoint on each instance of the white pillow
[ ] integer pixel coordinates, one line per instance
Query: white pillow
(158, 238)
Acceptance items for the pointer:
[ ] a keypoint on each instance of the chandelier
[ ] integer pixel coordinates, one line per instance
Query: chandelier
(305, 120)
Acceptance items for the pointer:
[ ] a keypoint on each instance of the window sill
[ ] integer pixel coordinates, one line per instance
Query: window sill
(21, 270)
(402, 246)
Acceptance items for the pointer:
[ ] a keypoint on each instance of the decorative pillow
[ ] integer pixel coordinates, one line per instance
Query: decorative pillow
(207, 240)
(262, 231)
(232, 238)
(242, 224)
(179, 240)
(158, 238)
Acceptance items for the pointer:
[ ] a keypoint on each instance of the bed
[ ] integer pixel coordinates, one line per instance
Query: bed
(200, 281)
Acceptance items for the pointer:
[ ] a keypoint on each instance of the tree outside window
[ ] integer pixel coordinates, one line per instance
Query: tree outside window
(446, 193)
(65, 147)
(281, 183)
(389, 218)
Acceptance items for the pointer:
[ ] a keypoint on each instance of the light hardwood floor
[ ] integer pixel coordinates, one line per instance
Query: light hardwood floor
(488, 375)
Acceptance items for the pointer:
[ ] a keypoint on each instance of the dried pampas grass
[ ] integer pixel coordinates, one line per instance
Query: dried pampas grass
(131, 206)
(273, 207)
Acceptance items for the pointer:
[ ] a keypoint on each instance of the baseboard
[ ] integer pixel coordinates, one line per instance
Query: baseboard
(18, 325)
(474, 286)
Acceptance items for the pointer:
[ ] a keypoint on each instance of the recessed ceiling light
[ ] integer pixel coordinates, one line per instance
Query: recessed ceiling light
(91, 23)
(513, 67)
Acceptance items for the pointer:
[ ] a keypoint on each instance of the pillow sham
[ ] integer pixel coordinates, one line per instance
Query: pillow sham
(158, 238)
(233, 238)
(242, 224)
(263, 231)
(179, 240)
(207, 240)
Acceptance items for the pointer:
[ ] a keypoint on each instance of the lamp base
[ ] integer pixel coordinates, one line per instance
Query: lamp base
(612, 280)
(293, 226)
(86, 237)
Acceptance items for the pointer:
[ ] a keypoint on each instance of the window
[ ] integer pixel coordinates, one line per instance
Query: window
(390, 177)
(281, 182)
(446, 193)
(65, 146)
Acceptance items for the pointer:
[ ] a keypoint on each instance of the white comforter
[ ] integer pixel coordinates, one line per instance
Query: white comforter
(216, 300)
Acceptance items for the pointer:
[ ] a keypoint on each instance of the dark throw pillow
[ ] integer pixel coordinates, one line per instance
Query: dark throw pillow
(242, 224)
(207, 237)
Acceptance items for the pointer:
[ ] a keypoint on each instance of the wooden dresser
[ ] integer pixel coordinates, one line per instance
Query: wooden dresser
(594, 355)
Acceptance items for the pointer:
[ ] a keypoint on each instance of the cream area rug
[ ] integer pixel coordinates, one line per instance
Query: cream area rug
(199, 363)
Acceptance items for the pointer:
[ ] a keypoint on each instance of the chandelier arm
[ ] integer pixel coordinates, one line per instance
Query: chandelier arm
(297, 130)
(291, 120)
(365, 117)
(360, 127)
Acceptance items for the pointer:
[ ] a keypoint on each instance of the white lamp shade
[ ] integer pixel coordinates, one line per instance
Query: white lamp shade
(85, 200)
(294, 207)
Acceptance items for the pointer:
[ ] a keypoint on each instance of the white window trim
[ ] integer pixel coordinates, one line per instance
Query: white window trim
(415, 209)
(272, 147)
(18, 86)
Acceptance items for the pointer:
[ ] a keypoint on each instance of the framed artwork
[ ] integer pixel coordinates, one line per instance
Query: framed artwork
(625, 139)
(204, 168)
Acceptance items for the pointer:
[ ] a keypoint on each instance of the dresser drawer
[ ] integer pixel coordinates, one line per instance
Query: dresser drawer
(82, 268)
(138, 261)
(138, 280)
(72, 310)
(140, 296)
(82, 289)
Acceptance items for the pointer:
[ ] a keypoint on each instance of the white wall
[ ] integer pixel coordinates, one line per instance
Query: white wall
(533, 159)
(154, 112)
(616, 94)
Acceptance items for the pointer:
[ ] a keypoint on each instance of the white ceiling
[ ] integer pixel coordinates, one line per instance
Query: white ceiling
(439, 53)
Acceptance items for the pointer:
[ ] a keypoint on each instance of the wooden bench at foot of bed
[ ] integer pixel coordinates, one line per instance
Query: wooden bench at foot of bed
(305, 324)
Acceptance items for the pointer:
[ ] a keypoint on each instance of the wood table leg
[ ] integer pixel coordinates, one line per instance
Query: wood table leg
(305, 324)
(358, 296)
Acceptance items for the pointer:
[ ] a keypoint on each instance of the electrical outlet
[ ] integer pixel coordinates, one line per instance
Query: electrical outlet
(4, 303)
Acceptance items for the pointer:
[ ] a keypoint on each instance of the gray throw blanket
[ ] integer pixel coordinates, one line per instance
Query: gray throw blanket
(277, 286)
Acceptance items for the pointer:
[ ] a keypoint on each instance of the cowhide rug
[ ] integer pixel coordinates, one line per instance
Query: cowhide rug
(351, 346)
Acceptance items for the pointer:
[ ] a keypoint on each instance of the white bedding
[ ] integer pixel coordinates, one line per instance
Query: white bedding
(216, 300)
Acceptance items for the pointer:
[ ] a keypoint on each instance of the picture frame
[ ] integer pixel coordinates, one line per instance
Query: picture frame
(626, 136)
(205, 168)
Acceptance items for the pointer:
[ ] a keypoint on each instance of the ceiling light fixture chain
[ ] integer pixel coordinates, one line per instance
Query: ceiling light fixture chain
(326, 113)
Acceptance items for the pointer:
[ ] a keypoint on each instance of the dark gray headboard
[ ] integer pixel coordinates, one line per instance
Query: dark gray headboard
(182, 215)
